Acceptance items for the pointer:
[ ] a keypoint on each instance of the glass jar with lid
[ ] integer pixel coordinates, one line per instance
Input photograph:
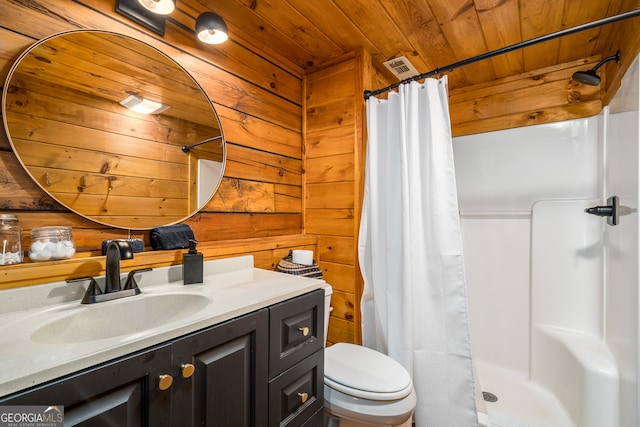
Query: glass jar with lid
(51, 243)
(11, 240)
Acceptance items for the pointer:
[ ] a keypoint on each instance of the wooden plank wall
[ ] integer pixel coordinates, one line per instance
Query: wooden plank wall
(264, 105)
(334, 159)
(259, 206)
(543, 96)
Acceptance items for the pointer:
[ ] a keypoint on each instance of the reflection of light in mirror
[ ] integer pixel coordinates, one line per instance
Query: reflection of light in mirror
(143, 105)
(209, 172)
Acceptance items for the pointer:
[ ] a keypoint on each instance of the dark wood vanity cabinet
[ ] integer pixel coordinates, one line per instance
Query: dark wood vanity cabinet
(222, 376)
(124, 392)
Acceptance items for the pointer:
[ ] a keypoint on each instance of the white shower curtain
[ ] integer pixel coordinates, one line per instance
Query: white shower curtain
(414, 305)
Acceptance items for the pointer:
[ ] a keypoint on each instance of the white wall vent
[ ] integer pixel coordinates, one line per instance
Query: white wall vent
(401, 67)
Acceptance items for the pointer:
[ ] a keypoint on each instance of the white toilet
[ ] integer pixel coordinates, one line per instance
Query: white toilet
(363, 387)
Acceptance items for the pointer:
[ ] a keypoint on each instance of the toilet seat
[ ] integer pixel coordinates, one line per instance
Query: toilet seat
(365, 373)
(369, 412)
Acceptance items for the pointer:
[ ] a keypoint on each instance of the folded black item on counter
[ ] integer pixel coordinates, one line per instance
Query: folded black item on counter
(137, 245)
(171, 237)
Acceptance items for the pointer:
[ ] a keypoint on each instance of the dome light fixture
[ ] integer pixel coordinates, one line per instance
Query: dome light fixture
(211, 28)
(161, 7)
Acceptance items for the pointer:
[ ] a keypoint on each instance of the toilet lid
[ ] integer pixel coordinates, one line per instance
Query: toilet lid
(365, 373)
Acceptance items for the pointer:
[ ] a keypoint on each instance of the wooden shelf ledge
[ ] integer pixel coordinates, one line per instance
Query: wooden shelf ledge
(267, 252)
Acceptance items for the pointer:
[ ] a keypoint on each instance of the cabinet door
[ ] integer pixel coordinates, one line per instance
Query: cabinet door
(123, 393)
(222, 375)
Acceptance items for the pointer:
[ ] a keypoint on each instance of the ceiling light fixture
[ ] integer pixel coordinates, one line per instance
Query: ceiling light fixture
(143, 105)
(161, 7)
(211, 28)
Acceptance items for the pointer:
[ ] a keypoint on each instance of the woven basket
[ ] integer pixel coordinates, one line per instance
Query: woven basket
(286, 265)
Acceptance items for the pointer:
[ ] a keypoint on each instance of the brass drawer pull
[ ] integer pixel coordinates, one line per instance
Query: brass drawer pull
(303, 397)
(187, 370)
(165, 381)
(304, 330)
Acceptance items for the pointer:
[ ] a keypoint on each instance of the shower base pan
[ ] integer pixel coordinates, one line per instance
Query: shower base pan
(520, 402)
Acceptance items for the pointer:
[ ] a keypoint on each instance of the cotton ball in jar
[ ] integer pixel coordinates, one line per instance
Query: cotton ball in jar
(36, 247)
(69, 249)
(44, 254)
(59, 250)
(41, 250)
(51, 248)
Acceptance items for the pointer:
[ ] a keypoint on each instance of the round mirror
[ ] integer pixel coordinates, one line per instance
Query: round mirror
(113, 129)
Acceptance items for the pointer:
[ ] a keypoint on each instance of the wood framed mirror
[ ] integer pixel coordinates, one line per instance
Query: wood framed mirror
(63, 115)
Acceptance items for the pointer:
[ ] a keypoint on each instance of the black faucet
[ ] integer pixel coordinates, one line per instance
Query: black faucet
(116, 250)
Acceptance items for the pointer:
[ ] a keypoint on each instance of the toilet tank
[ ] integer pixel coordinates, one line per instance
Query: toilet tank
(328, 290)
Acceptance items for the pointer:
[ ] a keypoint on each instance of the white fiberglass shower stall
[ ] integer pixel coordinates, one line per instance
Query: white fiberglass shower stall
(553, 291)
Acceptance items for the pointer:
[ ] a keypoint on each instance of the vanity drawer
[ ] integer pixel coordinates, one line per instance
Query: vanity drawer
(297, 395)
(296, 328)
(316, 420)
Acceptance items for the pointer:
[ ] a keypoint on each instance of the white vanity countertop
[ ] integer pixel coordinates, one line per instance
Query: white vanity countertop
(232, 287)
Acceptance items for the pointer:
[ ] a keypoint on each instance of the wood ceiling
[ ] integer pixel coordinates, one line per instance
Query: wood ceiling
(431, 33)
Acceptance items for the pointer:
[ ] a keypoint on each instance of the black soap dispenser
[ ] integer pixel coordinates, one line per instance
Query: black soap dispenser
(192, 265)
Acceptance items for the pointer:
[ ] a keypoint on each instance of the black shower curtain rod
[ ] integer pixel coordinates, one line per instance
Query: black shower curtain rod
(186, 148)
(526, 43)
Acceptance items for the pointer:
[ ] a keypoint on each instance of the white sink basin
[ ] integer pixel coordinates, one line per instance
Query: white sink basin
(126, 316)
